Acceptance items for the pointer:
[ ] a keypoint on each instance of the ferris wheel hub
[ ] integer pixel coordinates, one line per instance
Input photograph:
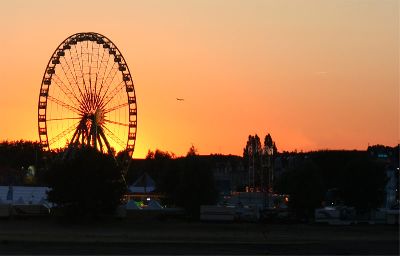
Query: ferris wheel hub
(99, 116)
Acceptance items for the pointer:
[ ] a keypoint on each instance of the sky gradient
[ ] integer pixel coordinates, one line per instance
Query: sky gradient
(316, 74)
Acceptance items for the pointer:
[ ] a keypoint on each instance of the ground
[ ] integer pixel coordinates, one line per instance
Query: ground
(28, 236)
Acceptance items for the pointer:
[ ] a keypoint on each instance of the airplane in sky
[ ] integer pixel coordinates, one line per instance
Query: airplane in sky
(180, 99)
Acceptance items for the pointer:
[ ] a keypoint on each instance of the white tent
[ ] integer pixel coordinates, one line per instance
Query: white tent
(23, 194)
(144, 184)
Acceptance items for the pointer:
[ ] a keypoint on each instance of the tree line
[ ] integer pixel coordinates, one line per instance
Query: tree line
(89, 183)
(313, 179)
(334, 178)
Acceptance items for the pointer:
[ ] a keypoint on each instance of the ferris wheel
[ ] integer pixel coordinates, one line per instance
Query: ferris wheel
(87, 97)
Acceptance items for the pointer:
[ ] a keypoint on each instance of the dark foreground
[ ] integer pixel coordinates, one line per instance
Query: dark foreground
(316, 248)
(178, 237)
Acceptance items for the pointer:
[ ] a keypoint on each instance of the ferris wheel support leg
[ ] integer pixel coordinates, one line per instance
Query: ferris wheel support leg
(72, 143)
(100, 143)
(101, 133)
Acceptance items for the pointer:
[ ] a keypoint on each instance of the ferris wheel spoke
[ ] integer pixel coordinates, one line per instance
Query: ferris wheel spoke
(103, 75)
(71, 83)
(75, 76)
(90, 56)
(108, 97)
(63, 133)
(93, 75)
(96, 57)
(63, 104)
(63, 87)
(98, 67)
(107, 83)
(81, 64)
(113, 108)
(114, 137)
(86, 82)
(114, 122)
(109, 76)
(66, 118)
(77, 67)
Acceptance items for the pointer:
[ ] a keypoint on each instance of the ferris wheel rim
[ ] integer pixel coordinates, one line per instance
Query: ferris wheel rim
(128, 85)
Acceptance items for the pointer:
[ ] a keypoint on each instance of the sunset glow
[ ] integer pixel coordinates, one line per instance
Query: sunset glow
(315, 74)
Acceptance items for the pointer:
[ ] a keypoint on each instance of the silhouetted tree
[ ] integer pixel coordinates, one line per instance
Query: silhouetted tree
(159, 154)
(158, 165)
(88, 183)
(269, 145)
(305, 186)
(188, 182)
(196, 185)
(150, 154)
(352, 178)
(356, 176)
(269, 154)
(192, 151)
(363, 184)
(253, 148)
(252, 160)
(16, 157)
(332, 164)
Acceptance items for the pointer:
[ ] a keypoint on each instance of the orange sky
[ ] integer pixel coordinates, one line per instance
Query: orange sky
(315, 74)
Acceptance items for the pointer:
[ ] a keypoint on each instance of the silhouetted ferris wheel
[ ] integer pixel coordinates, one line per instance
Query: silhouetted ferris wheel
(87, 97)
